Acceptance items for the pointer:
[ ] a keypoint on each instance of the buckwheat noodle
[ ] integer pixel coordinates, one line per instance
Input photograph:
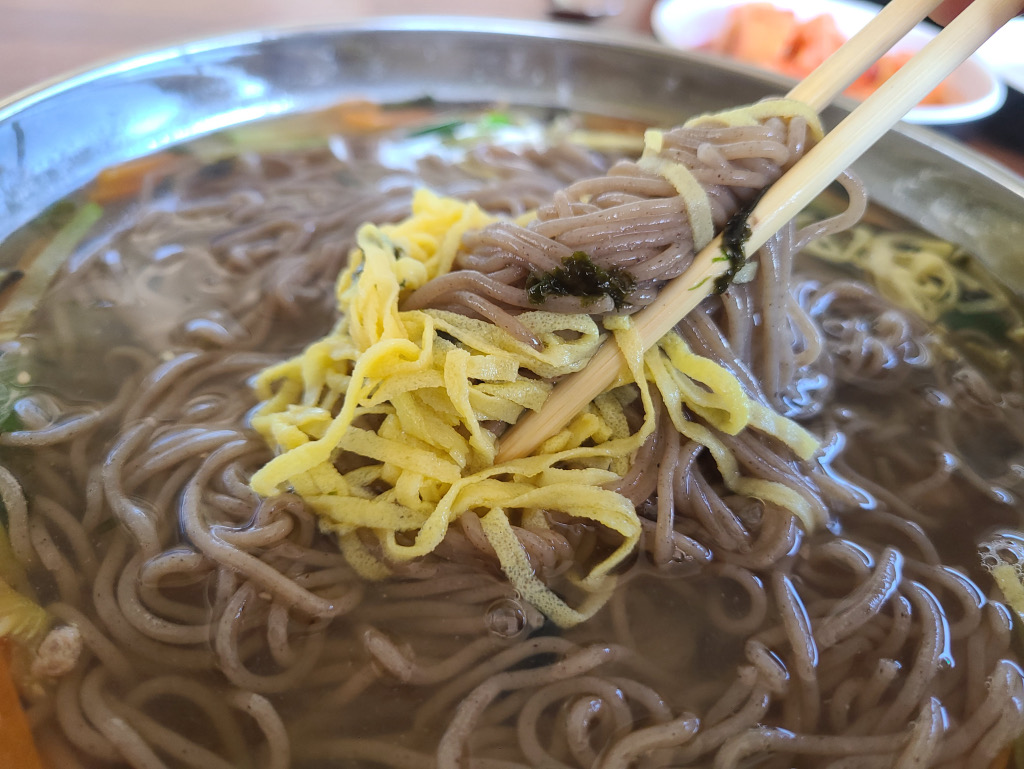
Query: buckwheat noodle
(219, 629)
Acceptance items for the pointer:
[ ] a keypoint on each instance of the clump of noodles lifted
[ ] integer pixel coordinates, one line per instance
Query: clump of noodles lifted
(387, 426)
(648, 217)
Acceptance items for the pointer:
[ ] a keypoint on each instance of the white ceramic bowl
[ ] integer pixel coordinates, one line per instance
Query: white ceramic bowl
(1004, 53)
(690, 24)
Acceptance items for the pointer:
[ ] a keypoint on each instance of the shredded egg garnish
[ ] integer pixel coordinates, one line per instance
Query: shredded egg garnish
(385, 426)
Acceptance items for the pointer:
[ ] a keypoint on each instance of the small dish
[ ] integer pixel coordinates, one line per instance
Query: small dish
(1004, 53)
(691, 24)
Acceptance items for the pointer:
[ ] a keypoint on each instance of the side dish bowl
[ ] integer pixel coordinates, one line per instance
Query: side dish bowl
(975, 90)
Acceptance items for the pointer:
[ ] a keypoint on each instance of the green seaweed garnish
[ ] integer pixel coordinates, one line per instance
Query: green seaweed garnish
(579, 276)
(735, 235)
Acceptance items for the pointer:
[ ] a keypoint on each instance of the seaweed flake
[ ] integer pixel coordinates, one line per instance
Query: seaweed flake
(580, 276)
(735, 235)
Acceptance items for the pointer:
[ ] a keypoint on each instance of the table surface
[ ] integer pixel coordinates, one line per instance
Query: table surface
(42, 39)
(45, 39)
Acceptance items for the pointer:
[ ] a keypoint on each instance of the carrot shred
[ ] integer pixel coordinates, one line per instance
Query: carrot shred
(17, 747)
(126, 180)
(359, 116)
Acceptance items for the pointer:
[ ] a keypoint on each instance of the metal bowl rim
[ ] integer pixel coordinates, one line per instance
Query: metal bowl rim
(505, 27)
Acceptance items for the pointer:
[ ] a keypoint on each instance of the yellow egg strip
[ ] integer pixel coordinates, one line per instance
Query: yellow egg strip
(913, 271)
(695, 199)
(1003, 557)
(727, 408)
(1009, 583)
(432, 396)
(517, 567)
(755, 114)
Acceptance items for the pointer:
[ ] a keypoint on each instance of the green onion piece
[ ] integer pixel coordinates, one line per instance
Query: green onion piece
(9, 422)
(421, 102)
(446, 128)
(25, 294)
(495, 119)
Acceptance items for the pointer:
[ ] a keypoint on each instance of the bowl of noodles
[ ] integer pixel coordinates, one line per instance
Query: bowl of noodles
(268, 310)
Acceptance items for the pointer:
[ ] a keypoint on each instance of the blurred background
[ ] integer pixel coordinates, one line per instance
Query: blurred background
(40, 39)
(45, 39)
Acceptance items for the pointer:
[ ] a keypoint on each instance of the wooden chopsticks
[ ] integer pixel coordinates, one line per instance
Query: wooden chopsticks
(795, 189)
(838, 71)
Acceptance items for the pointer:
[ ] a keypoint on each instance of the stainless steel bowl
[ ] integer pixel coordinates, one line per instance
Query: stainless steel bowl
(55, 139)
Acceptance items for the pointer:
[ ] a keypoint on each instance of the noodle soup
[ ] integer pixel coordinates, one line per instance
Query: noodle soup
(850, 604)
